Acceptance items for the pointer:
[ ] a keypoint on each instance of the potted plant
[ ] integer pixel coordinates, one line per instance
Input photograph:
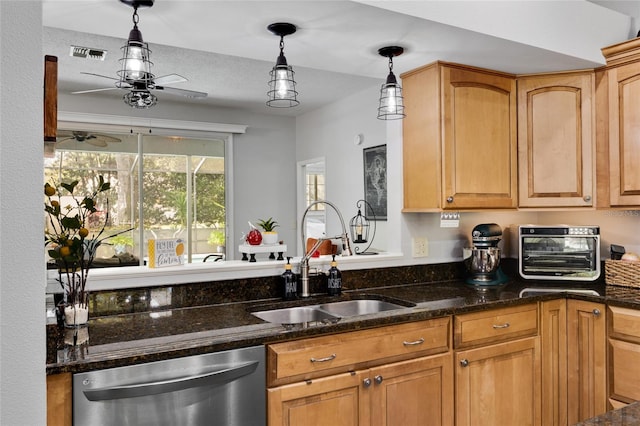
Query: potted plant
(120, 243)
(73, 233)
(269, 235)
(217, 239)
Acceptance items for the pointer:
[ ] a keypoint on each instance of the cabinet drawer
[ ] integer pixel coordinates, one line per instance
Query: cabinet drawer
(496, 325)
(319, 356)
(624, 324)
(624, 376)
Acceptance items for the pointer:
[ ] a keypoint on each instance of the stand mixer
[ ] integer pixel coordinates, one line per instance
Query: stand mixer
(483, 259)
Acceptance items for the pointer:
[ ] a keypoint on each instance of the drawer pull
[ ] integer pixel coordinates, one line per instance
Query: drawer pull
(499, 326)
(415, 342)
(366, 382)
(325, 359)
(464, 362)
(378, 379)
(596, 312)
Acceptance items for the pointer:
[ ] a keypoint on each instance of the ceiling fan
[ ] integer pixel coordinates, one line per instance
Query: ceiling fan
(95, 139)
(135, 74)
(157, 83)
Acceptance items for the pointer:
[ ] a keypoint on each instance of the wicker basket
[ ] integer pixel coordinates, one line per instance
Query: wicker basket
(622, 273)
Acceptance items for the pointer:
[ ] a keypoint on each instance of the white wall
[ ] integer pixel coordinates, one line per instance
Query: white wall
(22, 319)
(264, 157)
(329, 132)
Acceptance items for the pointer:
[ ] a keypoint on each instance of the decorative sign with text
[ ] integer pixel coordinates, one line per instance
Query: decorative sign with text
(167, 252)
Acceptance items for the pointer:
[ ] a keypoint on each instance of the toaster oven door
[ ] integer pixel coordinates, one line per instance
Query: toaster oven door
(560, 257)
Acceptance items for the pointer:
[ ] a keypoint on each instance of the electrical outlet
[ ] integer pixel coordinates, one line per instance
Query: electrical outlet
(420, 247)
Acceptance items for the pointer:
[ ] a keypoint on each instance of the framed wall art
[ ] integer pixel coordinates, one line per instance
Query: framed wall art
(375, 180)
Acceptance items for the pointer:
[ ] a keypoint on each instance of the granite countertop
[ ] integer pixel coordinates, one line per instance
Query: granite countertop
(131, 338)
(629, 415)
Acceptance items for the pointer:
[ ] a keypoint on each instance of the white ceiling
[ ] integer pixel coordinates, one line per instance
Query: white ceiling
(224, 48)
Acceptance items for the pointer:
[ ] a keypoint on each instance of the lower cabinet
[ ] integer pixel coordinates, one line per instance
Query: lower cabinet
(574, 375)
(394, 375)
(624, 356)
(59, 400)
(587, 356)
(499, 384)
(497, 367)
(413, 392)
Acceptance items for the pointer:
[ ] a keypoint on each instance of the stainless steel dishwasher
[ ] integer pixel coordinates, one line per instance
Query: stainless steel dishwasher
(222, 388)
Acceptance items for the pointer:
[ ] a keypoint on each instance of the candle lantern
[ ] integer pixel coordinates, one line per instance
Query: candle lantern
(360, 225)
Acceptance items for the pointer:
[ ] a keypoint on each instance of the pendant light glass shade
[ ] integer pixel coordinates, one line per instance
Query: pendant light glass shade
(135, 62)
(282, 85)
(391, 105)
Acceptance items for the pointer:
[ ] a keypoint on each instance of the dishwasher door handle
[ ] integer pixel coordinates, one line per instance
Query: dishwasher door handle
(211, 378)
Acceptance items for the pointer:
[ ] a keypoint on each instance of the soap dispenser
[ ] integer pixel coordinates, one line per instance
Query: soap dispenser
(334, 283)
(289, 281)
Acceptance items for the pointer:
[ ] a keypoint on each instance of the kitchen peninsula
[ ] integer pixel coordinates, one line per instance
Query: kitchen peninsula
(212, 317)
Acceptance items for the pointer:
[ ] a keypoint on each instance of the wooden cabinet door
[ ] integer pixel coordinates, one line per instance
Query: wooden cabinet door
(556, 140)
(416, 392)
(479, 139)
(553, 348)
(421, 150)
(334, 400)
(59, 399)
(499, 384)
(586, 348)
(624, 137)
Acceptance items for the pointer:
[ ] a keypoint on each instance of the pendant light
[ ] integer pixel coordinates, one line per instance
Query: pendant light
(391, 102)
(135, 63)
(282, 86)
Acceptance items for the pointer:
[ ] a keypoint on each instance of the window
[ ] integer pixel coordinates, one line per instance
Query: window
(177, 192)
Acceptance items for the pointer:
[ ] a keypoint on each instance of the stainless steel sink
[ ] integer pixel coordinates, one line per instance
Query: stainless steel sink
(349, 308)
(302, 314)
(326, 313)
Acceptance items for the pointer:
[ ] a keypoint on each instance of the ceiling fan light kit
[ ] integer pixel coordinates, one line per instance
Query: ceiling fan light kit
(391, 106)
(140, 99)
(282, 85)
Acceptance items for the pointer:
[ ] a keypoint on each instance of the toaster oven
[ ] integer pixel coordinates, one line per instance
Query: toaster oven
(559, 252)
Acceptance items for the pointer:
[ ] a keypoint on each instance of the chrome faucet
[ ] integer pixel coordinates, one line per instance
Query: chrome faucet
(304, 262)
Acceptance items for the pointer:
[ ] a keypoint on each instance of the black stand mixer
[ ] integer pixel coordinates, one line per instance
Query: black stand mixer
(483, 259)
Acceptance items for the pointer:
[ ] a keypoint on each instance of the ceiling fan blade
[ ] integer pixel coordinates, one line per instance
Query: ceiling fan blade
(93, 90)
(100, 75)
(97, 141)
(106, 138)
(182, 92)
(169, 79)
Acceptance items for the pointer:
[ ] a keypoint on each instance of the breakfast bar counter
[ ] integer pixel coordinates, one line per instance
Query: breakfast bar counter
(119, 339)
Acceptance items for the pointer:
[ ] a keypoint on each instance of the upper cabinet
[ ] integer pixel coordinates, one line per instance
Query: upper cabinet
(619, 126)
(459, 139)
(556, 139)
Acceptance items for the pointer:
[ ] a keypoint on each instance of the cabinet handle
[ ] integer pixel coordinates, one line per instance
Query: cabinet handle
(499, 326)
(449, 199)
(464, 362)
(378, 379)
(325, 359)
(587, 198)
(596, 312)
(366, 382)
(415, 342)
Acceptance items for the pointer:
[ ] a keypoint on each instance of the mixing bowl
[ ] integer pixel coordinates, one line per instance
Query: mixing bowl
(482, 263)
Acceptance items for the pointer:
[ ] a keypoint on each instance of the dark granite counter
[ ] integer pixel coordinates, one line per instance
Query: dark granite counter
(181, 329)
(625, 416)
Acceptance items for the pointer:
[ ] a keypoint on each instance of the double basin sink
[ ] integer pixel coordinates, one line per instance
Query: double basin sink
(326, 313)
